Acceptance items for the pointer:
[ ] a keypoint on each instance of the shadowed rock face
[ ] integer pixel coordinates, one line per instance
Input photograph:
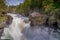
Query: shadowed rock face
(3, 13)
(52, 23)
(1, 31)
(9, 20)
(39, 19)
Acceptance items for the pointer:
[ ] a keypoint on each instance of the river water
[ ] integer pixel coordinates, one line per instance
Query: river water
(20, 29)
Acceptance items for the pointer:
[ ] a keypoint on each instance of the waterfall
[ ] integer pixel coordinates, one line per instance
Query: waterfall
(14, 31)
(20, 29)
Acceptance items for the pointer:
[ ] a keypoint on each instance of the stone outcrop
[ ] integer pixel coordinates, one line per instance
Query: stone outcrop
(1, 31)
(53, 23)
(5, 23)
(9, 20)
(36, 18)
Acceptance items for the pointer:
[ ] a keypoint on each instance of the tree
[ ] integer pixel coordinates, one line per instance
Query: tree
(3, 7)
(48, 6)
(29, 5)
(36, 4)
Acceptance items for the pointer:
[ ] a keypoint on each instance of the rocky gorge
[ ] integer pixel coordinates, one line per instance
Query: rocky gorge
(37, 21)
(7, 20)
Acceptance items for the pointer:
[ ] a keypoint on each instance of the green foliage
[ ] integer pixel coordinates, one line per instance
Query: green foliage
(20, 9)
(29, 5)
(36, 3)
(3, 18)
(48, 6)
(56, 14)
(3, 7)
(24, 7)
(57, 3)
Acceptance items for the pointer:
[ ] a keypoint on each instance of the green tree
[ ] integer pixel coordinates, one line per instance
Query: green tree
(29, 5)
(3, 7)
(48, 6)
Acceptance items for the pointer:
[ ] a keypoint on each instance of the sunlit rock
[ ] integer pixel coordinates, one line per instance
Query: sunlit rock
(36, 18)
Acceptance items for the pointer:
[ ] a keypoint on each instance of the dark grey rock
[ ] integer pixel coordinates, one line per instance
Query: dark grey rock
(9, 20)
(1, 31)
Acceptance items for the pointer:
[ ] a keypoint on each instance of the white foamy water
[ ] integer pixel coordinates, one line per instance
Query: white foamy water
(14, 31)
(40, 33)
(20, 30)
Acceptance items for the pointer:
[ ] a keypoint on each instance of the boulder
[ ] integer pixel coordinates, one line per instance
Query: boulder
(53, 23)
(3, 21)
(6, 21)
(36, 18)
(9, 20)
(2, 25)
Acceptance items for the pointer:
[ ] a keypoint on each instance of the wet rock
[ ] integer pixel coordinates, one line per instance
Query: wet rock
(59, 24)
(6, 21)
(53, 23)
(36, 18)
(46, 23)
(2, 25)
(3, 22)
(9, 20)
(1, 31)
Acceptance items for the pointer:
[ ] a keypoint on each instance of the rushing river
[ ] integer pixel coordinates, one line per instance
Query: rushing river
(20, 29)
